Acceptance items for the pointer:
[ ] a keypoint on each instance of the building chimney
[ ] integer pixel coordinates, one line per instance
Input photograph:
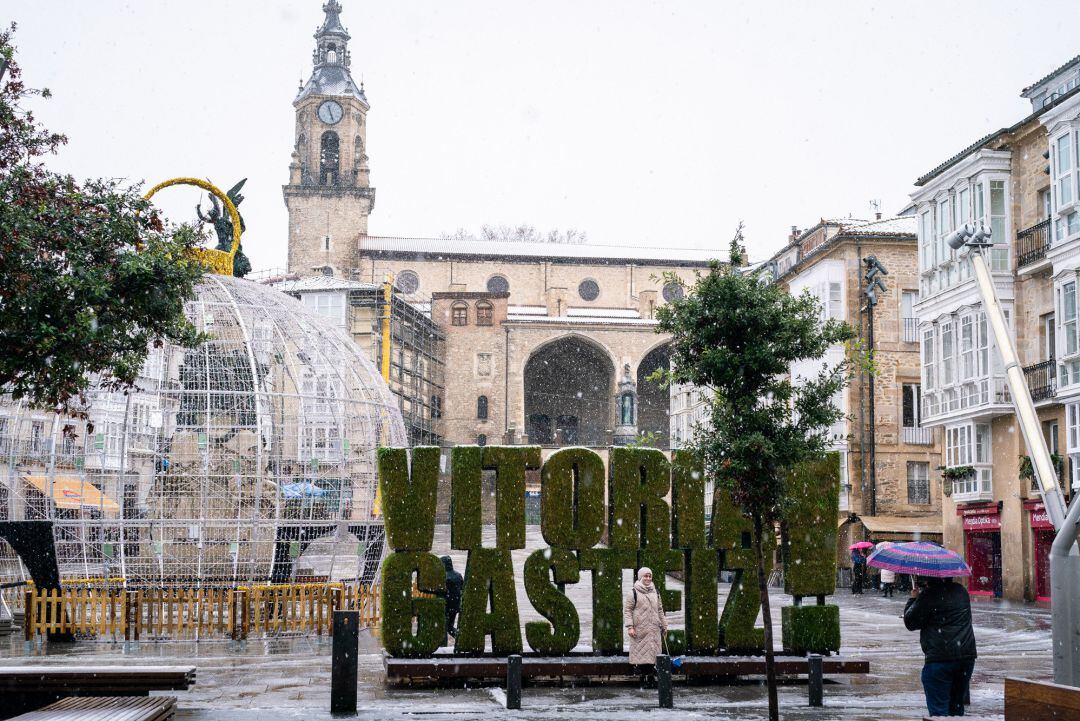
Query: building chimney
(877, 215)
(794, 234)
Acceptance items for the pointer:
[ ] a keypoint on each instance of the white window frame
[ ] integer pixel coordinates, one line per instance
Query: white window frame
(929, 362)
(1064, 170)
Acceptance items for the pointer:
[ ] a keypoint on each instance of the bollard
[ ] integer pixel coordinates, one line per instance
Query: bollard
(513, 682)
(343, 661)
(814, 680)
(663, 680)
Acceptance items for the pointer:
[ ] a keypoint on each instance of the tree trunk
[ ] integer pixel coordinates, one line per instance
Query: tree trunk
(766, 619)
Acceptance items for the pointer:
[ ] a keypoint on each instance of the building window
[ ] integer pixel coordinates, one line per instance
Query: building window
(481, 440)
(1064, 169)
(835, 302)
(911, 414)
(673, 291)
(999, 254)
(926, 239)
(918, 483)
(483, 364)
(948, 375)
(589, 290)
(482, 408)
(928, 358)
(436, 406)
(1068, 338)
(969, 445)
(1072, 439)
(329, 305)
(407, 281)
(459, 314)
(483, 313)
(1049, 337)
(498, 284)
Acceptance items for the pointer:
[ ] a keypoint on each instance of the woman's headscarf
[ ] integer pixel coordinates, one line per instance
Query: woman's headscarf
(640, 585)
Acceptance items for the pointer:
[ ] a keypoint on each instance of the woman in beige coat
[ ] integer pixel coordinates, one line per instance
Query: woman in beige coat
(643, 614)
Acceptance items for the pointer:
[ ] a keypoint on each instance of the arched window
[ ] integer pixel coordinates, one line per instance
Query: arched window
(482, 408)
(588, 289)
(329, 158)
(407, 282)
(459, 314)
(481, 440)
(498, 284)
(483, 313)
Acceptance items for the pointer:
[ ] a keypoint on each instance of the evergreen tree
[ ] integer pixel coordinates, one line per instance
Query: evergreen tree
(89, 276)
(738, 336)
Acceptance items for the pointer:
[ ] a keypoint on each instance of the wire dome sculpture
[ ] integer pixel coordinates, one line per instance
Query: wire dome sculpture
(249, 459)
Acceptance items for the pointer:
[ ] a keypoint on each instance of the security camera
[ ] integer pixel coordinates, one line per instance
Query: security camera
(959, 237)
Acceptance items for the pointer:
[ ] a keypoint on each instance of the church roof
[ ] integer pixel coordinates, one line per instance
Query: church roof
(331, 80)
(554, 252)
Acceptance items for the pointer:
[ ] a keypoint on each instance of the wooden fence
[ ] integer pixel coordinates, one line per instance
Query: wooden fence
(194, 614)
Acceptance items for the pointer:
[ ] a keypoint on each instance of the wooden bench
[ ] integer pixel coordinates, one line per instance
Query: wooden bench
(442, 669)
(25, 688)
(106, 708)
(1027, 700)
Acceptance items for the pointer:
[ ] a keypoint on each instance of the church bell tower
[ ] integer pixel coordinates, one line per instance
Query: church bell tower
(329, 196)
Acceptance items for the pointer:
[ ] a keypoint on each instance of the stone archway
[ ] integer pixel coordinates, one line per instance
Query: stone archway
(568, 385)
(654, 400)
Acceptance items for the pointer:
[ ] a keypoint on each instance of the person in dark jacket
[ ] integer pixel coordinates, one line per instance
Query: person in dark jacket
(940, 611)
(858, 571)
(454, 585)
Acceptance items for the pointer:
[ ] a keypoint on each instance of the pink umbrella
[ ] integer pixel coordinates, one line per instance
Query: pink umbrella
(860, 546)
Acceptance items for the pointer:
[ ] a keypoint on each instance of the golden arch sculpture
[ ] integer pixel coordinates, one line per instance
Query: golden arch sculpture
(218, 261)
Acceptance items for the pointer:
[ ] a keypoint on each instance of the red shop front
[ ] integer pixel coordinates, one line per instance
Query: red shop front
(982, 542)
(1042, 532)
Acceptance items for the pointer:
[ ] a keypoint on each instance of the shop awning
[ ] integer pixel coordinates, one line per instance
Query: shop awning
(74, 493)
(902, 524)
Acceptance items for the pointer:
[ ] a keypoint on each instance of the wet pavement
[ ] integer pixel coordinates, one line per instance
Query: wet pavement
(289, 678)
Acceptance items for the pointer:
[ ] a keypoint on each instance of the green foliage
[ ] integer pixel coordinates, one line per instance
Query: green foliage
(510, 464)
(648, 439)
(489, 579)
(739, 337)
(561, 635)
(572, 499)
(809, 532)
(638, 480)
(90, 276)
(660, 560)
(607, 565)
(409, 498)
(702, 571)
(1027, 470)
(732, 536)
(466, 513)
(810, 629)
(958, 473)
(399, 607)
(687, 501)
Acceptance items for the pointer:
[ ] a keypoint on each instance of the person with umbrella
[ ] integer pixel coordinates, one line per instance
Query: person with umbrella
(940, 610)
(858, 566)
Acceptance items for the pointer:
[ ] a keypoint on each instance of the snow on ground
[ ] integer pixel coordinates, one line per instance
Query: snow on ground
(289, 678)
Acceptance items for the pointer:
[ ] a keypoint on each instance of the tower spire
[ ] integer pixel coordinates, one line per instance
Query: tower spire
(332, 39)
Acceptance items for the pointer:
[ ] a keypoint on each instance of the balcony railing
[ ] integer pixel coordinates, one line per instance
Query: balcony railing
(911, 330)
(919, 436)
(1032, 244)
(1042, 380)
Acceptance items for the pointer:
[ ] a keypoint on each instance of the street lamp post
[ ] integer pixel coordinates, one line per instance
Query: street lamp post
(1064, 556)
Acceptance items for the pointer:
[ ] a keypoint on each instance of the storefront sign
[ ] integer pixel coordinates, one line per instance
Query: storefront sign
(981, 518)
(1040, 520)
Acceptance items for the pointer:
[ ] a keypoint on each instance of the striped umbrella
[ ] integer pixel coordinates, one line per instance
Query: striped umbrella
(920, 559)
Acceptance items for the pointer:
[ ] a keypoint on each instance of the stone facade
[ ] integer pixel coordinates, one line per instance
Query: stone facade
(899, 501)
(564, 327)
(996, 519)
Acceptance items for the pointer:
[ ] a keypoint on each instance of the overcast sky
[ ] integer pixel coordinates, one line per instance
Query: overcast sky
(640, 123)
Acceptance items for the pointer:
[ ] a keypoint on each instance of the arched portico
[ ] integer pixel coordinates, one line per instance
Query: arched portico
(568, 384)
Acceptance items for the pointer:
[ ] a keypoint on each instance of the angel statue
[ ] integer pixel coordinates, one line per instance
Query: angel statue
(223, 227)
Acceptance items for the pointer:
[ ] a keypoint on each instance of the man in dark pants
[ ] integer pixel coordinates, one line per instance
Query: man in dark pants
(940, 611)
(454, 585)
(858, 571)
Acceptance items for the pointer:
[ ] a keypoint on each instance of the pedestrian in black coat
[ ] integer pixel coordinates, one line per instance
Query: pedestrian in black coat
(940, 611)
(454, 586)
